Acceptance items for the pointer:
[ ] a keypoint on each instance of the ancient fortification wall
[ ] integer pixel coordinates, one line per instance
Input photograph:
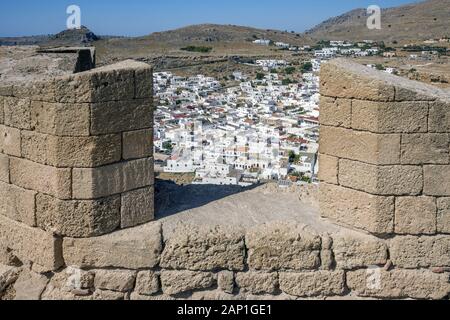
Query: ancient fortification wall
(76, 166)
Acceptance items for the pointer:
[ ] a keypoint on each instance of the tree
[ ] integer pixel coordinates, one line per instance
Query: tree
(306, 67)
(168, 146)
(289, 70)
(379, 67)
(259, 76)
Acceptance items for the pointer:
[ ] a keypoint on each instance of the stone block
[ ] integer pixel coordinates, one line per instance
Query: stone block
(428, 148)
(92, 183)
(8, 275)
(10, 141)
(443, 215)
(374, 214)
(336, 112)
(436, 180)
(313, 284)
(30, 286)
(398, 284)
(328, 169)
(411, 252)
(18, 204)
(17, 113)
(204, 249)
(280, 246)
(136, 248)
(31, 244)
(60, 119)
(137, 207)
(120, 116)
(225, 281)
(143, 78)
(381, 180)
(147, 283)
(177, 282)
(2, 103)
(381, 149)
(115, 280)
(107, 295)
(439, 118)
(4, 168)
(390, 117)
(415, 215)
(42, 178)
(353, 250)
(257, 283)
(138, 144)
(78, 218)
(63, 152)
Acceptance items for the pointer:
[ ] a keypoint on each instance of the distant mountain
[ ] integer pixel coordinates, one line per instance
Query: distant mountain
(418, 21)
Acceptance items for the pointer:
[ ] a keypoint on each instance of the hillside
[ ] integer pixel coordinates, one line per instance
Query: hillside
(418, 21)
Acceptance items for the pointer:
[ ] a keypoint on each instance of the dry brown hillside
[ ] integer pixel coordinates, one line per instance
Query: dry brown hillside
(418, 21)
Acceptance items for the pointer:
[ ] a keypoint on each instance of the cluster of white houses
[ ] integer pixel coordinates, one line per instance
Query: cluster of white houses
(258, 130)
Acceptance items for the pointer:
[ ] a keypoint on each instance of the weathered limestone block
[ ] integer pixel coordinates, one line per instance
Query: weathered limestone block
(352, 250)
(8, 275)
(71, 151)
(68, 285)
(137, 144)
(374, 214)
(257, 283)
(312, 284)
(30, 286)
(176, 282)
(17, 113)
(280, 246)
(204, 249)
(115, 280)
(343, 79)
(4, 168)
(78, 218)
(443, 215)
(439, 118)
(147, 283)
(17, 204)
(225, 281)
(7, 258)
(136, 248)
(329, 169)
(327, 260)
(398, 284)
(31, 244)
(119, 116)
(420, 252)
(10, 141)
(428, 148)
(143, 78)
(2, 103)
(381, 180)
(93, 183)
(336, 112)
(382, 149)
(106, 295)
(436, 180)
(60, 119)
(390, 117)
(415, 215)
(42, 178)
(137, 207)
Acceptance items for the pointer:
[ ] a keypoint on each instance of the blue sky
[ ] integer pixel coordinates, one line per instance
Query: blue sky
(141, 17)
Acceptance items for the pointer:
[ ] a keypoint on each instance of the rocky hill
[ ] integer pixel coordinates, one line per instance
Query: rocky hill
(418, 21)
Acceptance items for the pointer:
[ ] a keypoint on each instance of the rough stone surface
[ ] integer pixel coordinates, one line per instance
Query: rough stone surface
(8, 275)
(411, 252)
(136, 248)
(257, 283)
(204, 248)
(107, 295)
(427, 148)
(381, 180)
(4, 168)
(280, 246)
(147, 283)
(31, 244)
(398, 284)
(38, 177)
(439, 118)
(312, 284)
(92, 183)
(114, 280)
(176, 282)
(436, 180)
(137, 207)
(357, 251)
(225, 281)
(415, 215)
(443, 216)
(336, 112)
(29, 286)
(10, 141)
(138, 144)
(381, 149)
(17, 113)
(374, 214)
(17, 204)
(329, 169)
(78, 218)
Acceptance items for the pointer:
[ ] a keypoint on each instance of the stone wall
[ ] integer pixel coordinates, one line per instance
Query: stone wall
(380, 151)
